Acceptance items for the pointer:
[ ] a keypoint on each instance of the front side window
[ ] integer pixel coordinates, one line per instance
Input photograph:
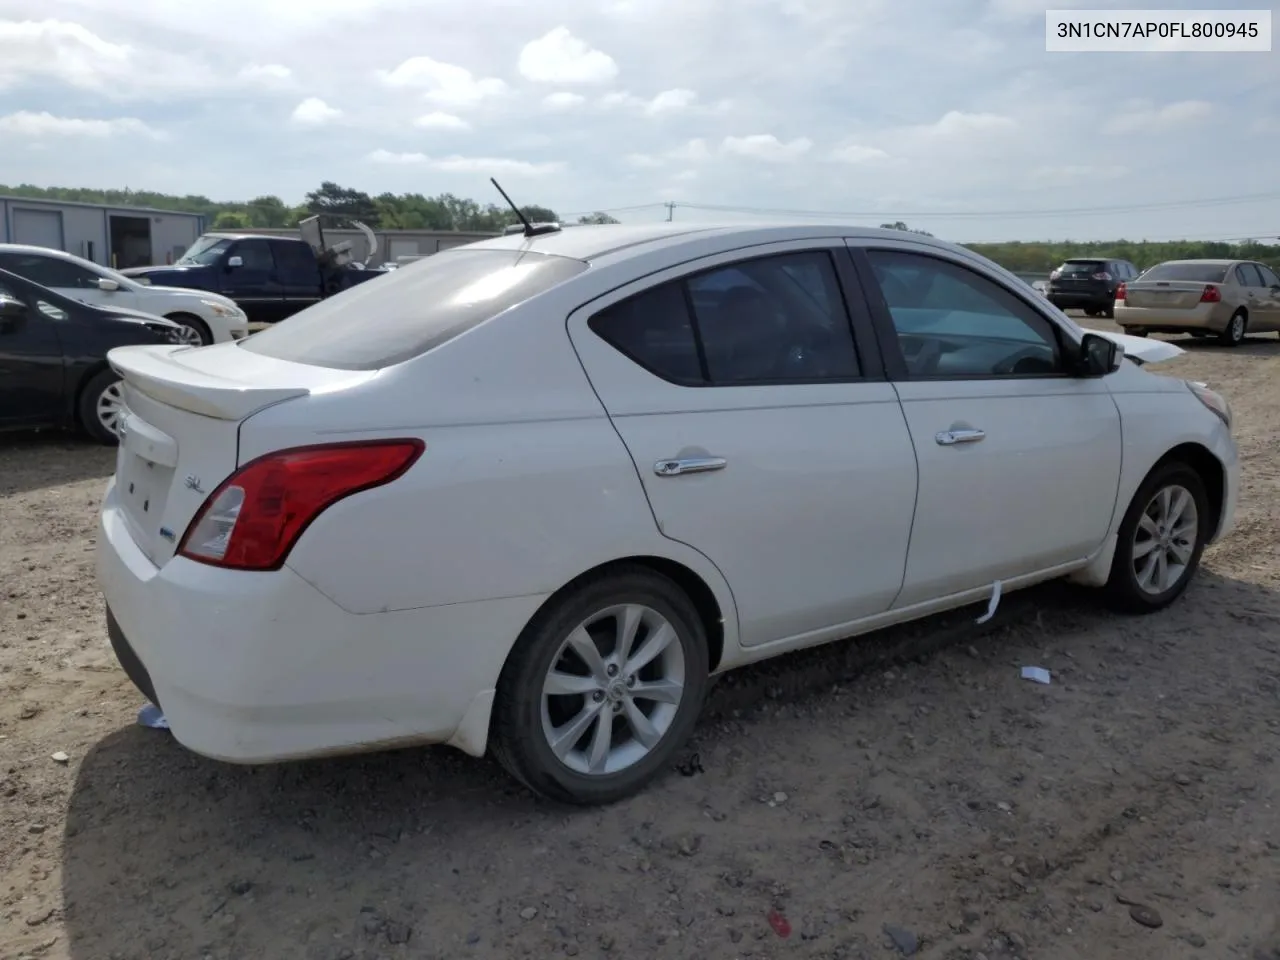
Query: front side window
(255, 254)
(772, 319)
(204, 252)
(49, 271)
(954, 323)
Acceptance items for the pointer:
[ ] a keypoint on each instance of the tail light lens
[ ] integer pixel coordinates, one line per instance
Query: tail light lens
(1211, 294)
(253, 519)
(1121, 292)
(1102, 275)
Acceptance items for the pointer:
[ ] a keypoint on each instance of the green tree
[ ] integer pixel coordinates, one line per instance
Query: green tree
(597, 217)
(232, 220)
(899, 225)
(342, 205)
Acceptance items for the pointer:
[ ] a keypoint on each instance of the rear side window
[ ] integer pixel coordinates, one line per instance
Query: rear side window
(768, 320)
(296, 260)
(1191, 272)
(1268, 278)
(392, 318)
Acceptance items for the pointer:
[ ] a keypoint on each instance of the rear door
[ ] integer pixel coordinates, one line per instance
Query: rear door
(762, 429)
(1270, 294)
(255, 284)
(299, 275)
(1019, 461)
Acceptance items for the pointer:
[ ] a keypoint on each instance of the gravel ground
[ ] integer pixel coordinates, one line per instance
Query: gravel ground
(904, 792)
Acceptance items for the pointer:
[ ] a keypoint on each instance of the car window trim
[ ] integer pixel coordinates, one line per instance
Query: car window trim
(887, 333)
(866, 351)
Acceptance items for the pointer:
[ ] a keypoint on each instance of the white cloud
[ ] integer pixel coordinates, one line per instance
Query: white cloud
(314, 112)
(560, 57)
(269, 74)
(489, 166)
(857, 153)
(765, 146)
(675, 100)
(563, 100)
(1072, 174)
(443, 83)
(42, 125)
(958, 124)
(1144, 118)
(437, 120)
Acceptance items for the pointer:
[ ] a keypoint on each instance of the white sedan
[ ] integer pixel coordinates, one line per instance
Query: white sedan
(526, 496)
(204, 318)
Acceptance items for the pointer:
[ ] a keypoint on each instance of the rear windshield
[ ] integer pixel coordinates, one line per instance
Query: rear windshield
(407, 312)
(1081, 268)
(1194, 272)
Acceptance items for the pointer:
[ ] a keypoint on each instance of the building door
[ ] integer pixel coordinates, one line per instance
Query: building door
(130, 242)
(39, 228)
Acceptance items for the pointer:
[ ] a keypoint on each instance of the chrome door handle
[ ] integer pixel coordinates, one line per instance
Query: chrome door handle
(946, 438)
(675, 468)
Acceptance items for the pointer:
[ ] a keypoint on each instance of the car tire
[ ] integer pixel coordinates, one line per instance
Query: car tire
(550, 741)
(1090, 312)
(1233, 334)
(195, 332)
(1158, 515)
(1109, 311)
(100, 406)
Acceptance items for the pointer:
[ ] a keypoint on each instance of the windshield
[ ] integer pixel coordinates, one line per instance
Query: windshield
(405, 313)
(1192, 272)
(204, 252)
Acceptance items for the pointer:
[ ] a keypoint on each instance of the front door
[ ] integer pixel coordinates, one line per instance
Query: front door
(762, 430)
(1019, 461)
(31, 367)
(254, 284)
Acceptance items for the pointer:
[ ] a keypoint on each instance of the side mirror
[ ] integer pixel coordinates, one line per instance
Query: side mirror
(11, 311)
(107, 284)
(234, 262)
(1098, 356)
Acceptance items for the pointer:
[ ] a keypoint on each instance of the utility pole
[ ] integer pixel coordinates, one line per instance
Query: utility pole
(671, 210)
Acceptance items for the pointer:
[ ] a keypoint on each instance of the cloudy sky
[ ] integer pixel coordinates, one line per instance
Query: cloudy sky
(948, 114)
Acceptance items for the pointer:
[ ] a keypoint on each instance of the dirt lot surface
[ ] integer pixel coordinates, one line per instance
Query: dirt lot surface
(911, 782)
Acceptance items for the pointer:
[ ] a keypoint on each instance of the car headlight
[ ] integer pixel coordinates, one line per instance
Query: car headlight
(1211, 399)
(221, 309)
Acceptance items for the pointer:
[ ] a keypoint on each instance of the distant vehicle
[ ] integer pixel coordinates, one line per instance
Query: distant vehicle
(1088, 284)
(529, 494)
(1226, 298)
(203, 317)
(270, 278)
(53, 358)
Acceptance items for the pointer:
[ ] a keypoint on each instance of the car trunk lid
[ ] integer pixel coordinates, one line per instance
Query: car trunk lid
(1165, 294)
(179, 433)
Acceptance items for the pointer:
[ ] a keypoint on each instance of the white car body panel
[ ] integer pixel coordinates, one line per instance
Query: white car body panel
(394, 613)
(224, 319)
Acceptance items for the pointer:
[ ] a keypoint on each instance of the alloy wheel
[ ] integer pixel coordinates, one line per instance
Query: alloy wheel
(110, 405)
(1165, 538)
(613, 689)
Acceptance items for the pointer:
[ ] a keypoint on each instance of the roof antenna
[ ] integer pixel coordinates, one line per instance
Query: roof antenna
(526, 227)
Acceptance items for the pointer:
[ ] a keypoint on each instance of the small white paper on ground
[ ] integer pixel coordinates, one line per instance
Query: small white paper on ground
(993, 604)
(150, 716)
(1038, 674)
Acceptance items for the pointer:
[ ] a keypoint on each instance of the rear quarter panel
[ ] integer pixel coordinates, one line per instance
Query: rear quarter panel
(524, 484)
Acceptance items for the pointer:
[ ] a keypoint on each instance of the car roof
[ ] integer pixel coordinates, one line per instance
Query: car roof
(43, 251)
(1205, 260)
(224, 235)
(594, 243)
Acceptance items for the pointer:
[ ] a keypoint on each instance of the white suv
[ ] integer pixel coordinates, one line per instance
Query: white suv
(204, 317)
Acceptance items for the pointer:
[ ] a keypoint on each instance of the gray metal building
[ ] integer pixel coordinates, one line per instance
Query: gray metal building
(119, 237)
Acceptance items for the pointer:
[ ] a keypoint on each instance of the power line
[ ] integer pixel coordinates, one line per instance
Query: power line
(986, 214)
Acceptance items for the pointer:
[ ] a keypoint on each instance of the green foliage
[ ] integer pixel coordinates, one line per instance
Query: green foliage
(415, 211)
(899, 225)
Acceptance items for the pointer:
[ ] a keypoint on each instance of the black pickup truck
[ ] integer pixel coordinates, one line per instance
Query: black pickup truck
(269, 277)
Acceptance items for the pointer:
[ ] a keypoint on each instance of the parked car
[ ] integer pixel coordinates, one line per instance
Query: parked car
(547, 485)
(270, 278)
(1228, 298)
(203, 317)
(1089, 284)
(53, 366)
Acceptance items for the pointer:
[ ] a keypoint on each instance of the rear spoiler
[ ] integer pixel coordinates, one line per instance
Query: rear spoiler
(158, 373)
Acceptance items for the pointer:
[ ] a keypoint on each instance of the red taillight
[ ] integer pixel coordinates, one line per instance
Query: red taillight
(1102, 275)
(1121, 290)
(1211, 294)
(254, 518)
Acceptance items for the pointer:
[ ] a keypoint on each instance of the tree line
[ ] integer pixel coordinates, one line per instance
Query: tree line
(446, 211)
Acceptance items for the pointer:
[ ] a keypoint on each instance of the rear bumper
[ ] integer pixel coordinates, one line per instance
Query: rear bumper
(1207, 316)
(1081, 299)
(261, 667)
